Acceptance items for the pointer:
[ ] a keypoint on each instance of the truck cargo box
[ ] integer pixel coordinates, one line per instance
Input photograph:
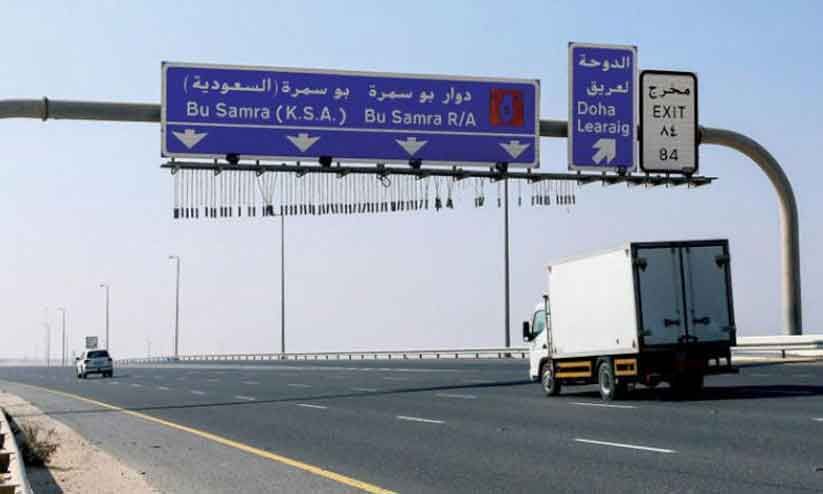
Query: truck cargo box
(643, 296)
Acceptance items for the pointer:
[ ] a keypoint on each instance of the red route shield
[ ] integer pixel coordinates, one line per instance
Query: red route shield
(506, 108)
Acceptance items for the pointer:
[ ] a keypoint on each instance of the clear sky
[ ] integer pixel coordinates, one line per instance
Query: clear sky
(83, 203)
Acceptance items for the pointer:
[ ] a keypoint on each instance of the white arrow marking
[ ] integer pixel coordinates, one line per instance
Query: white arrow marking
(302, 141)
(189, 137)
(606, 148)
(514, 148)
(411, 145)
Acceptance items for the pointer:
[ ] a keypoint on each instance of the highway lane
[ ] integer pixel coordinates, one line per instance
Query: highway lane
(479, 426)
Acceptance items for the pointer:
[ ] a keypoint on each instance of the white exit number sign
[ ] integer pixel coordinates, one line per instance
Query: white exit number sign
(668, 123)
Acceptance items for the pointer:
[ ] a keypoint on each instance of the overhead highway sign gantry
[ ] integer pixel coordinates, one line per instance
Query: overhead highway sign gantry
(215, 111)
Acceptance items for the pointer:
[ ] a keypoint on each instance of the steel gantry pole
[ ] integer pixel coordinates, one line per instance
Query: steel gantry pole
(789, 225)
(792, 316)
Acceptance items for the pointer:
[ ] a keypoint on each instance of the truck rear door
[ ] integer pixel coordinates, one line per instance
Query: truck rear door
(708, 295)
(660, 289)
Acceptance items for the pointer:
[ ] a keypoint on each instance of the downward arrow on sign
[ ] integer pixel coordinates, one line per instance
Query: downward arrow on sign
(189, 137)
(411, 145)
(302, 141)
(606, 148)
(514, 148)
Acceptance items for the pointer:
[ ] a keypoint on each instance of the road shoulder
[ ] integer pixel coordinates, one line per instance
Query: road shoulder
(172, 461)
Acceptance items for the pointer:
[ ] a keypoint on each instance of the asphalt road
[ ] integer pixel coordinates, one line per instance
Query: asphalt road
(444, 426)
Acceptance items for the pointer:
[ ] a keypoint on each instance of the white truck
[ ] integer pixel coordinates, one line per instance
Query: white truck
(646, 313)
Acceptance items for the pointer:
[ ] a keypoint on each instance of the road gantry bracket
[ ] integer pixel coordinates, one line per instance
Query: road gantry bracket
(47, 109)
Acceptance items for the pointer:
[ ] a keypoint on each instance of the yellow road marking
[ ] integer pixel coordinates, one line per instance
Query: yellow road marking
(364, 486)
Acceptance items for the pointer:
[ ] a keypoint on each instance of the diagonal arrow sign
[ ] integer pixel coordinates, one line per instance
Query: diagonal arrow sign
(302, 141)
(606, 148)
(514, 148)
(411, 145)
(189, 137)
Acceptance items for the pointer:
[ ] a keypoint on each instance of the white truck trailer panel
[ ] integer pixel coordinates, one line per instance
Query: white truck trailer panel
(592, 302)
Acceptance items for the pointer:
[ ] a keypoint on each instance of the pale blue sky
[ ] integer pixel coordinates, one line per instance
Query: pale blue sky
(87, 202)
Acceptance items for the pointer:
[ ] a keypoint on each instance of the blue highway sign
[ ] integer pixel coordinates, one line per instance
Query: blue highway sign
(602, 107)
(212, 111)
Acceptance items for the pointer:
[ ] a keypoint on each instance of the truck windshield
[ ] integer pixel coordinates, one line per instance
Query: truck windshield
(539, 323)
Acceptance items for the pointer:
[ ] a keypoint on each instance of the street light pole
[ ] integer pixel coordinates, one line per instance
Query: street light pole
(177, 309)
(506, 255)
(48, 335)
(282, 284)
(63, 354)
(108, 343)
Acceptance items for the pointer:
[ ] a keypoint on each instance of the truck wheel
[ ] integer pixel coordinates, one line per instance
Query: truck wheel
(551, 386)
(609, 389)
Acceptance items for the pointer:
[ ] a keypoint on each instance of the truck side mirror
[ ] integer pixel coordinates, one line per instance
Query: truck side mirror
(527, 334)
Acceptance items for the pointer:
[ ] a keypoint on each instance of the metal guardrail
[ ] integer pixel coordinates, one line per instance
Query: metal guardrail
(476, 353)
(13, 478)
(785, 345)
(798, 345)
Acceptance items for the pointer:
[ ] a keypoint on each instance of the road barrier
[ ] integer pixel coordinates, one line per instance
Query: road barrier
(786, 346)
(13, 478)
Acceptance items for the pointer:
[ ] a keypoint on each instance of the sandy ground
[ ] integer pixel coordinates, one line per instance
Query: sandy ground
(77, 466)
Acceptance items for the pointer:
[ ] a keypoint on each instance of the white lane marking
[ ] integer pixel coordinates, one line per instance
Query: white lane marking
(213, 380)
(802, 376)
(163, 388)
(818, 419)
(196, 392)
(114, 382)
(307, 405)
(603, 405)
(759, 374)
(247, 398)
(396, 378)
(250, 382)
(627, 446)
(299, 385)
(456, 396)
(135, 385)
(418, 419)
(367, 390)
(474, 381)
(137, 377)
(158, 377)
(181, 378)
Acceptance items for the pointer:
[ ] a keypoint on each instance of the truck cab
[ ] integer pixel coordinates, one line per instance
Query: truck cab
(535, 334)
